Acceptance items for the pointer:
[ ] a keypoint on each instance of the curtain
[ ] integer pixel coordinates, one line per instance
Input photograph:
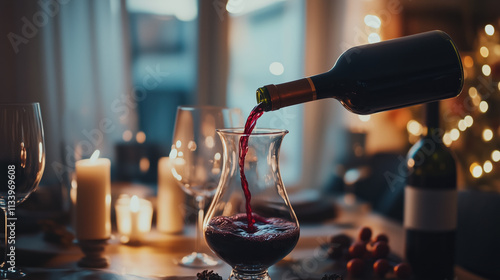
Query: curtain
(73, 58)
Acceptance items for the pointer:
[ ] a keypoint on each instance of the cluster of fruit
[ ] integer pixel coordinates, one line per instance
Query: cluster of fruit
(365, 255)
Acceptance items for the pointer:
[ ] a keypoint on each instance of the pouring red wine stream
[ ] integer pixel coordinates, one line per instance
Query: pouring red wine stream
(256, 113)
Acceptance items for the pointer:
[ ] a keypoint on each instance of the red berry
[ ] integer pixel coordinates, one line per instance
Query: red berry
(365, 234)
(402, 271)
(342, 239)
(357, 250)
(381, 267)
(382, 237)
(355, 267)
(380, 250)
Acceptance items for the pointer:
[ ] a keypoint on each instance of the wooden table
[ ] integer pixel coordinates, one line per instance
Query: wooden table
(155, 259)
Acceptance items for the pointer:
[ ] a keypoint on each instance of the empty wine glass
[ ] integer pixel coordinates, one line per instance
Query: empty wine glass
(22, 161)
(196, 156)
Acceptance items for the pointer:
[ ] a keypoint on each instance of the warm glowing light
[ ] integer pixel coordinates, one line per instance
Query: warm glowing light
(192, 146)
(140, 137)
(487, 166)
(373, 21)
(144, 164)
(178, 144)
(134, 204)
(180, 154)
(495, 155)
(487, 134)
(468, 120)
(484, 51)
(483, 106)
(454, 134)
(461, 125)
(176, 175)
(217, 156)
(364, 118)
(476, 170)
(468, 61)
(127, 135)
(173, 153)
(414, 127)
(486, 69)
(95, 155)
(472, 92)
(498, 86)
(373, 38)
(447, 139)
(489, 29)
(276, 68)
(209, 142)
(411, 163)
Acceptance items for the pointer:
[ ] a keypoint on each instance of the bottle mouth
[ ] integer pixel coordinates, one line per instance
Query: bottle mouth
(255, 132)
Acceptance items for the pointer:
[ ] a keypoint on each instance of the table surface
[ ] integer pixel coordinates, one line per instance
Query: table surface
(155, 258)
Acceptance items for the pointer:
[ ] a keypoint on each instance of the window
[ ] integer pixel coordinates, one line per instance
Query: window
(266, 47)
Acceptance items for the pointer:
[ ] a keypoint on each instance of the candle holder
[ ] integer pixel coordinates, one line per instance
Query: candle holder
(94, 253)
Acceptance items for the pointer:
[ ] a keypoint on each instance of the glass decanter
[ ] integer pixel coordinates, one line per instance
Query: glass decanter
(250, 249)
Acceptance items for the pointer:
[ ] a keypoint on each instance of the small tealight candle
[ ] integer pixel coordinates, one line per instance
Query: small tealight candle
(133, 218)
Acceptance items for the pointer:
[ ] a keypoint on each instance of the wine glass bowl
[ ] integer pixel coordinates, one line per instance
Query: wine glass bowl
(196, 157)
(22, 158)
(251, 250)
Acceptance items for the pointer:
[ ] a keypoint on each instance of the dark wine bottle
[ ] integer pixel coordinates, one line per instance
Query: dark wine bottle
(382, 76)
(430, 209)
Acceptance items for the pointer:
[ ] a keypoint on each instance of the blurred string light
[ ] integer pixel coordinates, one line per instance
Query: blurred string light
(487, 134)
(484, 51)
(447, 139)
(468, 121)
(364, 118)
(487, 166)
(454, 134)
(483, 106)
(461, 125)
(486, 69)
(140, 137)
(414, 128)
(276, 68)
(186, 10)
(489, 29)
(372, 21)
(476, 170)
(373, 38)
(495, 155)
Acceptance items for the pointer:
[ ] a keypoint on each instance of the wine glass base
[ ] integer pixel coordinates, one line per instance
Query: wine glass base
(238, 275)
(198, 260)
(12, 273)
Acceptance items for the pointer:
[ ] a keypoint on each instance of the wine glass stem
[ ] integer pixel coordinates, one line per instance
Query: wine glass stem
(199, 223)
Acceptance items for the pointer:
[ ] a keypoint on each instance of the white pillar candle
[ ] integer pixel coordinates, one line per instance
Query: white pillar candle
(133, 218)
(171, 200)
(93, 198)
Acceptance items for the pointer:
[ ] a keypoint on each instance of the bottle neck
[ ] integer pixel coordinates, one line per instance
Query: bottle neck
(278, 96)
(432, 116)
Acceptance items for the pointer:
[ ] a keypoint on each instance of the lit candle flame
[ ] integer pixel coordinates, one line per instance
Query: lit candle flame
(134, 204)
(95, 155)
